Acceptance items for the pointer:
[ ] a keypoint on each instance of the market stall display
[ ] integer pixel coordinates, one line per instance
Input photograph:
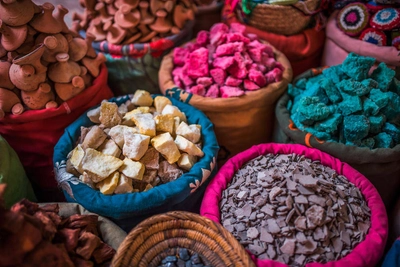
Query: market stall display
(56, 234)
(178, 191)
(134, 35)
(296, 205)
(48, 77)
(240, 121)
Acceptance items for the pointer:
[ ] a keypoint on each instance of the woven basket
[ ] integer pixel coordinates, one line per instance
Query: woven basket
(160, 236)
(281, 19)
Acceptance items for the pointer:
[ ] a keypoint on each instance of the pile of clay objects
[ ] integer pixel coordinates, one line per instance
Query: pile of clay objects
(293, 210)
(133, 21)
(43, 63)
(136, 146)
(37, 236)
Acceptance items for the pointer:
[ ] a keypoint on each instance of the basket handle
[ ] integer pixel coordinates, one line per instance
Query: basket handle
(179, 94)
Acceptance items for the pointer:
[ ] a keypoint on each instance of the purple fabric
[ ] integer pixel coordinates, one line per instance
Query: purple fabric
(367, 253)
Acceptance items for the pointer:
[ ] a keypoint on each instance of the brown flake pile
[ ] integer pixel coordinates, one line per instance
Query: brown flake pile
(293, 210)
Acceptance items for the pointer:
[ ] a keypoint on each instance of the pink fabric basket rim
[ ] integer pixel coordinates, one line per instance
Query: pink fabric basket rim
(366, 253)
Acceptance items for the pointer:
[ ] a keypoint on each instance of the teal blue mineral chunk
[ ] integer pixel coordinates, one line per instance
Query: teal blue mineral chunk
(330, 90)
(350, 104)
(380, 98)
(312, 109)
(334, 73)
(294, 91)
(369, 107)
(383, 140)
(301, 83)
(357, 67)
(355, 127)
(392, 109)
(393, 131)
(395, 86)
(376, 123)
(353, 87)
(368, 142)
(329, 125)
(383, 75)
(317, 90)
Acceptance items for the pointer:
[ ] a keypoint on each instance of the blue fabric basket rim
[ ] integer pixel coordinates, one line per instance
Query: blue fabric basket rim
(112, 205)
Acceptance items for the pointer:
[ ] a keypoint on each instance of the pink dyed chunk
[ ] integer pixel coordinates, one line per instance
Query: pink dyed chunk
(223, 62)
(230, 81)
(237, 27)
(229, 91)
(187, 81)
(180, 56)
(237, 37)
(229, 49)
(218, 33)
(238, 69)
(203, 38)
(198, 90)
(270, 63)
(218, 75)
(192, 46)
(274, 75)
(213, 91)
(279, 66)
(178, 82)
(205, 81)
(256, 54)
(198, 63)
(252, 36)
(249, 85)
(257, 77)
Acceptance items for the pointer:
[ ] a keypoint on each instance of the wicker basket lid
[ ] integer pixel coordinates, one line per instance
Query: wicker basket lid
(159, 236)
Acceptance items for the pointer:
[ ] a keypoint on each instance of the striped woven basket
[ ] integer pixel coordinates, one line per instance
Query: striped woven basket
(161, 235)
(281, 19)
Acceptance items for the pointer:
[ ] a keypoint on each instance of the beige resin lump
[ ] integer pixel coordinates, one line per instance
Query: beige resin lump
(135, 146)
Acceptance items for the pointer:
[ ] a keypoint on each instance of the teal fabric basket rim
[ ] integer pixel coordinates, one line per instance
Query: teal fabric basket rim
(135, 203)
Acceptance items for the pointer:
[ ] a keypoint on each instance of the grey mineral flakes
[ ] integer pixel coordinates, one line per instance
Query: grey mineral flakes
(293, 210)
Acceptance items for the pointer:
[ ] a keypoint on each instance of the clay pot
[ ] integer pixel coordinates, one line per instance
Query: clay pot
(77, 48)
(115, 34)
(33, 58)
(182, 15)
(101, 9)
(27, 72)
(161, 25)
(29, 42)
(132, 3)
(5, 81)
(111, 9)
(3, 52)
(148, 37)
(75, 28)
(126, 17)
(87, 78)
(17, 13)
(9, 102)
(146, 17)
(96, 29)
(93, 64)
(54, 44)
(66, 91)
(12, 37)
(156, 5)
(89, 40)
(88, 4)
(64, 70)
(45, 22)
(41, 98)
(59, 16)
(133, 38)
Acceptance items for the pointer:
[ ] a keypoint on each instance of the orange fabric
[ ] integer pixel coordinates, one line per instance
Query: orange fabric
(303, 50)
